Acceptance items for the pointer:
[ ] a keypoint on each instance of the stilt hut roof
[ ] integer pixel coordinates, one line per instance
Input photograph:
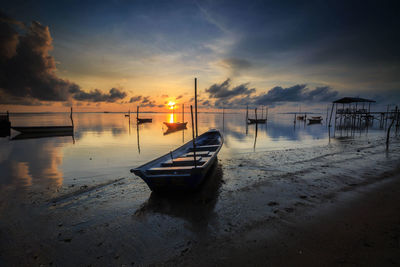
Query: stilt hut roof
(346, 100)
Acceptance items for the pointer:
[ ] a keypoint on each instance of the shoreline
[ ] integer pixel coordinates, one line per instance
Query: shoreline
(256, 208)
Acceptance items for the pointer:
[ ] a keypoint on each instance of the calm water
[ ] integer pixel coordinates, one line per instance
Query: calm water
(105, 146)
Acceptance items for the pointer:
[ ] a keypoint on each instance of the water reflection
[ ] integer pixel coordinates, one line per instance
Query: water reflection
(196, 208)
(106, 148)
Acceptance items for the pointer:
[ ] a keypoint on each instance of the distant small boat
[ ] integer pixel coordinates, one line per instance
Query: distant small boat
(175, 128)
(144, 120)
(185, 168)
(42, 129)
(252, 121)
(106, 111)
(176, 125)
(300, 118)
(141, 120)
(127, 115)
(315, 120)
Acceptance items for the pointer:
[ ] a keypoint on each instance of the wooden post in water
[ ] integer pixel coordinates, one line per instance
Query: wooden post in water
(266, 113)
(194, 139)
(388, 132)
(72, 120)
(247, 113)
(137, 113)
(195, 103)
(223, 119)
(183, 113)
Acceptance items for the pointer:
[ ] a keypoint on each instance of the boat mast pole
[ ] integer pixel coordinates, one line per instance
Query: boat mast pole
(183, 113)
(195, 103)
(194, 140)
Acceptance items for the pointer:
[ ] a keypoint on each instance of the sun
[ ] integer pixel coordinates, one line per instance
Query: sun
(171, 105)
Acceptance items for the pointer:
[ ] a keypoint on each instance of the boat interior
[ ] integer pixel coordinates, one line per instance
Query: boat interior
(191, 158)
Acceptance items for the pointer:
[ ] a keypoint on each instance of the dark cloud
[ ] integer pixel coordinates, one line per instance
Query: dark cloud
(206, 103)
(235, 65)
(135, 99)
(241, 95)
(296, 93)
(97, 96)
(26, 68)
(28, 71)
(164, 96)
(223, 90)
(179, 97)
(147, 102)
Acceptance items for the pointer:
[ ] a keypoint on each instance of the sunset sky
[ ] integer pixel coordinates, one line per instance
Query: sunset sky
(115, 55)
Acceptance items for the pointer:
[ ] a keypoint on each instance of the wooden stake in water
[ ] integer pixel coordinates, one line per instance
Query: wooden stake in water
(194, 140)
(183, 113)
(195, 103)
(72, 120)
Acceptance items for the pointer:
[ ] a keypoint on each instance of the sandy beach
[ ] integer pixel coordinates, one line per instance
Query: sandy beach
(334, 204)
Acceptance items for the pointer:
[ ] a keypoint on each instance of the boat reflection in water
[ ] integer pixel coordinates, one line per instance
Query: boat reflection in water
(196, 208)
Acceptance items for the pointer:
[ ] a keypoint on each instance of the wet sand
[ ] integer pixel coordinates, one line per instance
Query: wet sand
(361, 229)
(336, 204)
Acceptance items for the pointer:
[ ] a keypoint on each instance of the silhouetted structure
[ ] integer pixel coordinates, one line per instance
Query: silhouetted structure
(5, 124)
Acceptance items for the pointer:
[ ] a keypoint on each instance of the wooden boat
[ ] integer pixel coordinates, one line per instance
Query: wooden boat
(252, 121)
(176, 125)
(185, 168)
(172, 129)
(141, 120)
(43, 129)
(144, 120)
(315, 120)
(31, 135)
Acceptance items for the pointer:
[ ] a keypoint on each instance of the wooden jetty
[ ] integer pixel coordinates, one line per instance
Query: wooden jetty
(354, 114)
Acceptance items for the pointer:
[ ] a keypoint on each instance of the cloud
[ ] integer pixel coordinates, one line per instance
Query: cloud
(241, 95)
(26, 68)
(179, 97)
(235, 65)
(223, 90)
(164, 96)
(296, 93)
(135, 98)
(28, 71)
(147, 102)
(97, 96)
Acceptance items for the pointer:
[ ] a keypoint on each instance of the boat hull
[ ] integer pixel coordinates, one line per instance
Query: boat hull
(43, 129)
(144, 120)
(182, 178)
(252, 121)
(178, 183)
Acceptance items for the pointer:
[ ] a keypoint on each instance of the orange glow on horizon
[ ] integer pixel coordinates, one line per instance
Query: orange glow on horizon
(171, 105)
